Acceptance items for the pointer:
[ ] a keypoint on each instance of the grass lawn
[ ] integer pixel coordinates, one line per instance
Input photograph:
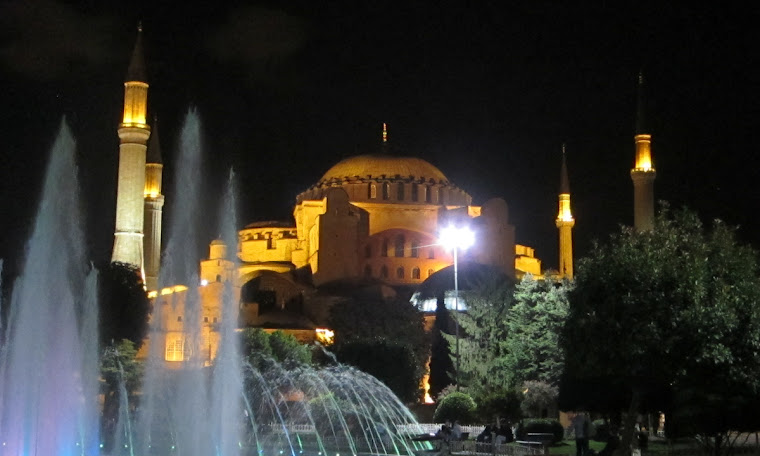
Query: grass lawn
(568, 447)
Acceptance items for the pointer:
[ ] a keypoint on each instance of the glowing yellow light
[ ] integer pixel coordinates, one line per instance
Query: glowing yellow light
(168, 290)
(385, 133)
(325, 336)
(643, 153)
(427, 398)
(564, 208)
(135, 104)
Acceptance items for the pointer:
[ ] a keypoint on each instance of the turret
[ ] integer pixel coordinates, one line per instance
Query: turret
(565, 222)
(154, 203)
(643, 172)
(133, 135)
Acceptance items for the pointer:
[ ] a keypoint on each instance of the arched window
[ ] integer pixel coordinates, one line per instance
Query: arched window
(416, 273)
(431, 253)
(386, 191)
(372, 191)
(384, 272)
(218, 277)
(400, 245)
(415, 248)
(175, 349)
(430, 272)
(400, 191)
(368, 271)
(428, 194)
(179, 318)
(415, 192)
(400, 273)
(367, 251)
(384, 250)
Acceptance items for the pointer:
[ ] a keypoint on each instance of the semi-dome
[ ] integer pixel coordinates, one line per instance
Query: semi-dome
(377, 166)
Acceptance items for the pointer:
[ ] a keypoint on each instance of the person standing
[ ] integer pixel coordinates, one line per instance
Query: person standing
(581, 427)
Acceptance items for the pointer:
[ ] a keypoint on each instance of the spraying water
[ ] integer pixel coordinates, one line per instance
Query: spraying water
(50, 362)
(199, 407)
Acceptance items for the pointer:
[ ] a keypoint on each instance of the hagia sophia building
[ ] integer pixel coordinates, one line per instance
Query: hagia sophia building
(369, 219)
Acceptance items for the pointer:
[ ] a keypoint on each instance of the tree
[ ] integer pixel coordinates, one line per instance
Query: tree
(118, 364)
(384, 329)
(510, 334)
(482, 336)
(534, 323)
(656, 313)
(392, 363)
(537, 397)
(261, 349)
(124, 305)
(495, 406)
(441, 365)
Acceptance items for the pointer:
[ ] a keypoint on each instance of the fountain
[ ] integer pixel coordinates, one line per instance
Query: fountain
(49, 360)
(49, 364)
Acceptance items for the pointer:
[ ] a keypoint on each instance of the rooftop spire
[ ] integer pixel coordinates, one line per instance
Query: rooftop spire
(564, 181)
(154, 146)
(136, 70)
(384, 143)
(641, 124)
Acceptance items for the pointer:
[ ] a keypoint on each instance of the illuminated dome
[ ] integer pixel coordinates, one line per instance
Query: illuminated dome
(388, 166)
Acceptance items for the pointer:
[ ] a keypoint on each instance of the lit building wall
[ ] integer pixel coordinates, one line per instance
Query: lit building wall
(526, 261)
(265, 244)
(402, 256)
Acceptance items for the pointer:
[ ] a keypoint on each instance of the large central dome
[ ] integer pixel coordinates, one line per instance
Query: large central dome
(388, 166)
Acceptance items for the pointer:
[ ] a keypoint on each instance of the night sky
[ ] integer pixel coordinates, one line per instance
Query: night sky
(486, 91)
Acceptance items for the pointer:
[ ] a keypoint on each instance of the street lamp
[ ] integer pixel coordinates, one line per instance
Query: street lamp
(456, 238)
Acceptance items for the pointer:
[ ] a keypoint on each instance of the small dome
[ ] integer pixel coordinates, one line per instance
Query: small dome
(376, 166)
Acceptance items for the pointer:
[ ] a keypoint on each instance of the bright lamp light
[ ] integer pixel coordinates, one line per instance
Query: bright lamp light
(453, 237)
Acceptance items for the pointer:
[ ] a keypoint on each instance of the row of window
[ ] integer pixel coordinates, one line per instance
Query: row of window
(205, 319)
(398, 248)
(419, 192)
(400, 273)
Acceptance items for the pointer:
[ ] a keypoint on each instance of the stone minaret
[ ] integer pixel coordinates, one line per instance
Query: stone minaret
(565, 223)
(133, 135)
(643, 172)
(154, 204)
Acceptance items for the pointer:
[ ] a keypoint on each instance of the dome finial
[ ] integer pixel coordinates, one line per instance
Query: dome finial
(641, 122)
(564, 181)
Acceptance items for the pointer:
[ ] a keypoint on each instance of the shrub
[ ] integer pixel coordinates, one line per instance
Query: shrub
(455, 406)
(530, 426)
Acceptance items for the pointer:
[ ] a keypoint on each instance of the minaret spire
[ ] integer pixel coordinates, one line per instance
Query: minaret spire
(565, 222)
(153, 209)
(384, 144)
(643, 172)
(133, 138)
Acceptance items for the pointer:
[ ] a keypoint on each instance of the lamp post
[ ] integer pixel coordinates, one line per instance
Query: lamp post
(456, 238)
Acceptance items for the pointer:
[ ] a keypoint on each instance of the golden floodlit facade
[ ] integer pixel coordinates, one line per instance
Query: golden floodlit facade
(369, 219)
